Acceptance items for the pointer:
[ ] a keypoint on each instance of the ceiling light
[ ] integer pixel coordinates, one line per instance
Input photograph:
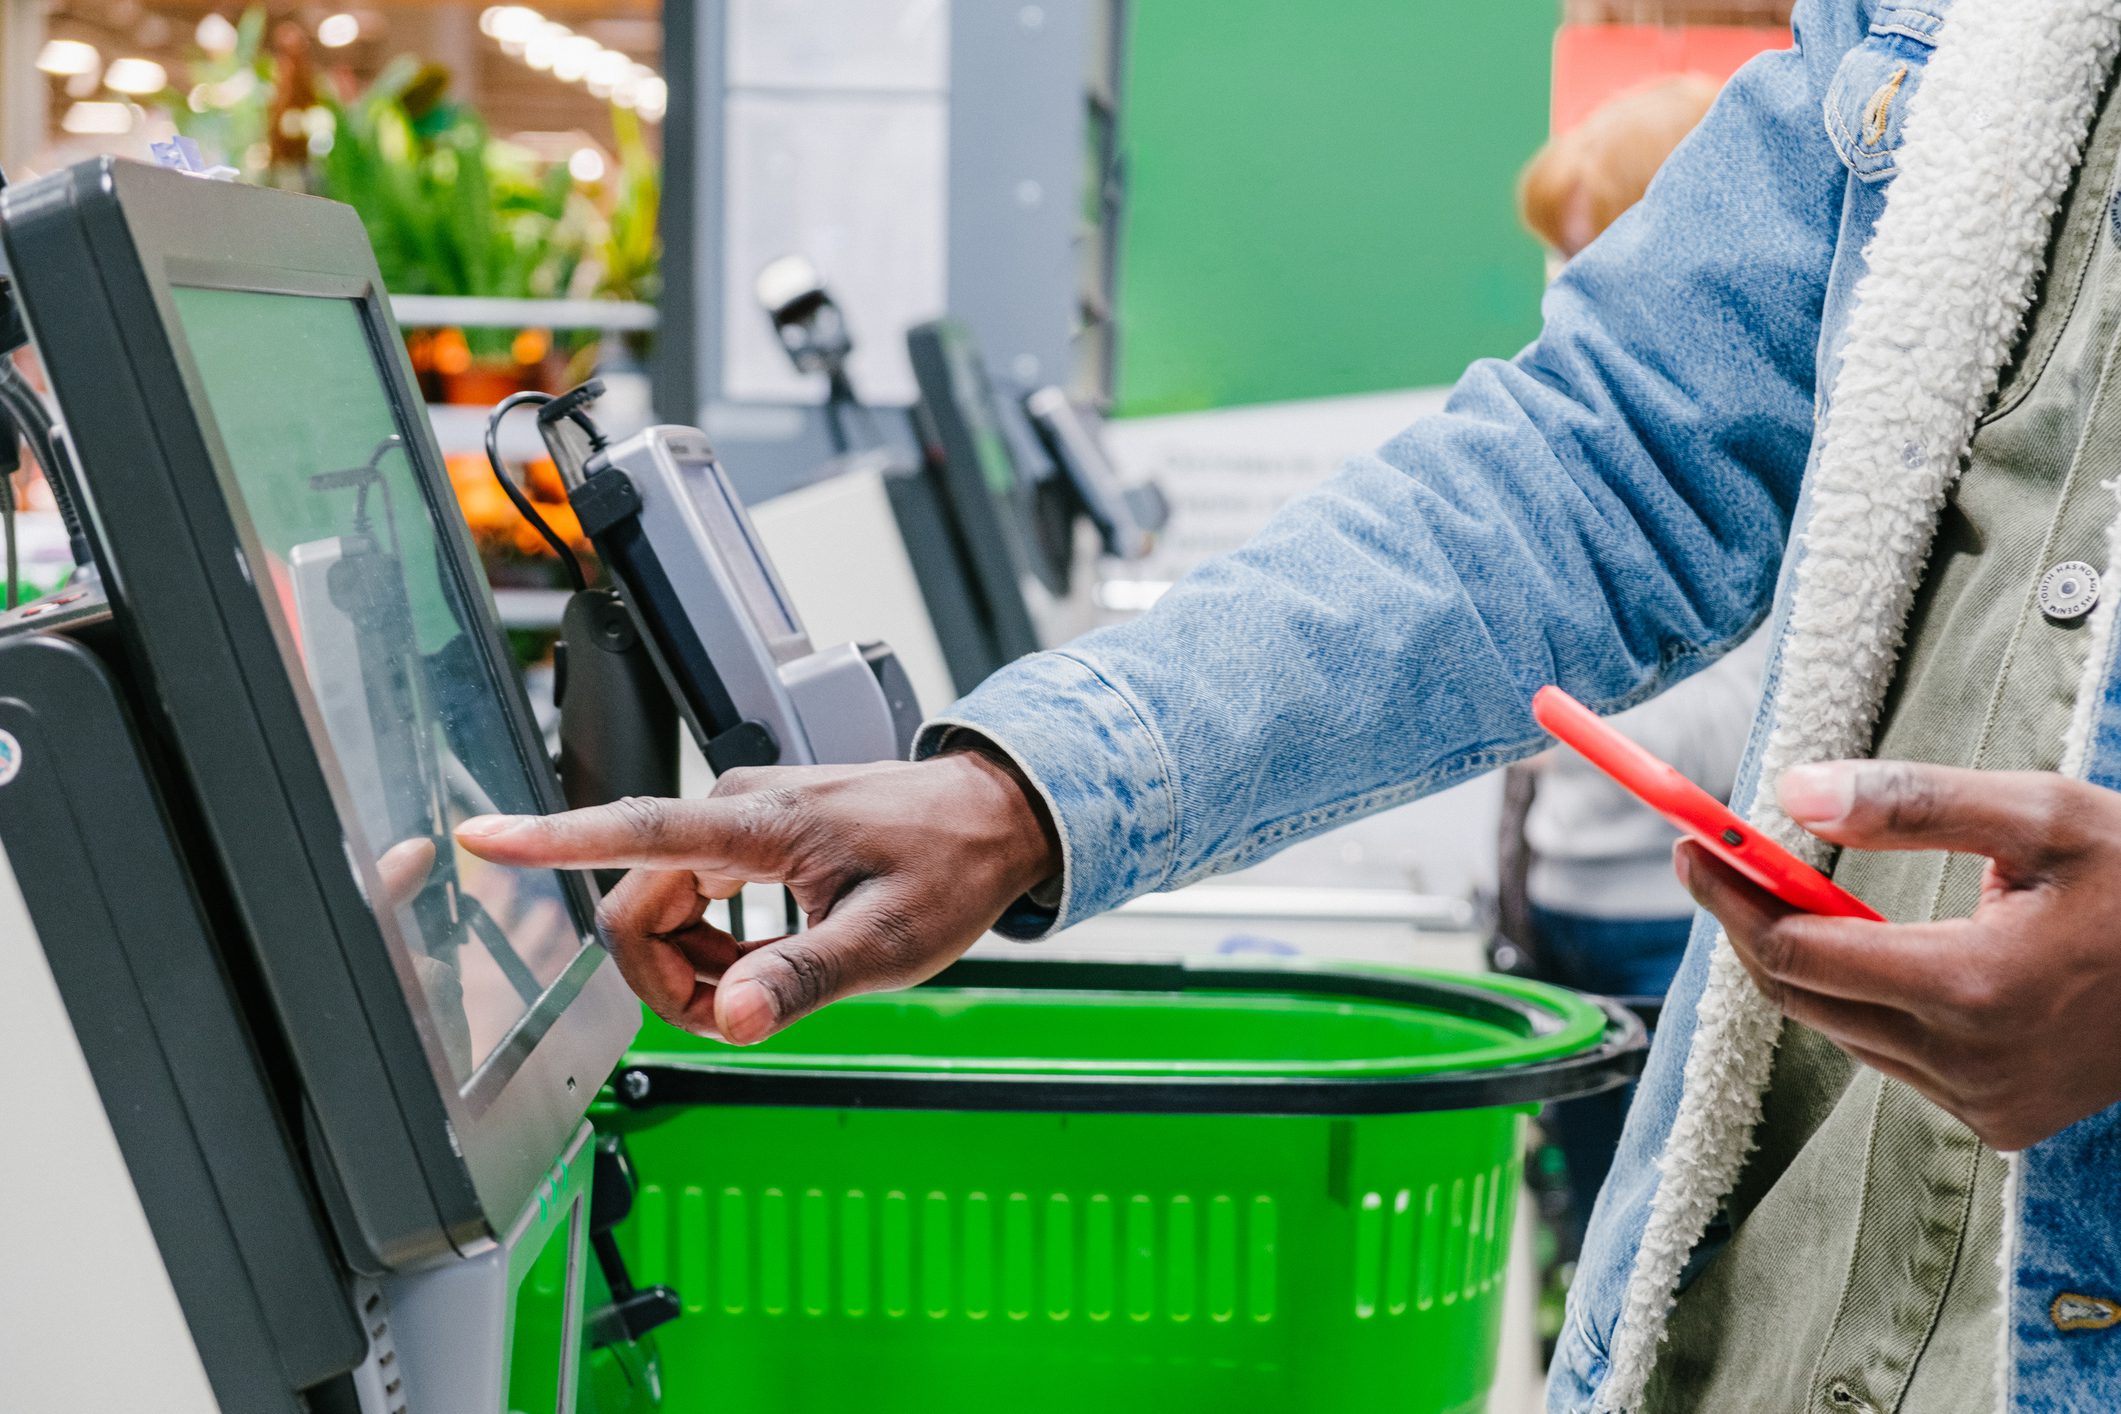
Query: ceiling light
(547, 46)
(138, 77)
(216, 35)
(572, 59)
(338, 31)
(652, 99)
(98, 119)
(609, 67)
(66, 57)
(543, 50)
(510, 24)
(587, 165)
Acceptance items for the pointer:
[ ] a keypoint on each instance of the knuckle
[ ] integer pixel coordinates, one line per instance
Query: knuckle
(738, 780)
(771, 812)
(631, 911)
(649, 819)
(1906, 797)
(896, 937)
(1772, 988)
(799, 976)
(1778, 947)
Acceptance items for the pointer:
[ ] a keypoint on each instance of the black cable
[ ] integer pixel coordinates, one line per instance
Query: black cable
(835, 426)
(839, 397)
(568, 560)
(34, 421)
(10, 463)
(7, 530)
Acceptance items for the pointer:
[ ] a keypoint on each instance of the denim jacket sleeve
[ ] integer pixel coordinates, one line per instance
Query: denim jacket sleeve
(1607, 511)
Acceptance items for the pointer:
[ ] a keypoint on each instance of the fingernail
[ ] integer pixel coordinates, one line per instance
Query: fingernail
(1818, 795)
(486, 827)
(1683, 865)
(745, 1013)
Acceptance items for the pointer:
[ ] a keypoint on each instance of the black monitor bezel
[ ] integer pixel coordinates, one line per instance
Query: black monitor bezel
(998, 533)
(95, 252)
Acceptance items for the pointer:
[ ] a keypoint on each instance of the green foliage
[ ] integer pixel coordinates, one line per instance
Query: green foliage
(629, 254)
(233, 97)
(450, 209)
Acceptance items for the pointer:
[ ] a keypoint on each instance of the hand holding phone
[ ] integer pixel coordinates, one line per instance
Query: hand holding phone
(1692, 810)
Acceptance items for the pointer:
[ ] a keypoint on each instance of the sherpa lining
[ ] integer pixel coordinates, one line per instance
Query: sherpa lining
(1993, 136)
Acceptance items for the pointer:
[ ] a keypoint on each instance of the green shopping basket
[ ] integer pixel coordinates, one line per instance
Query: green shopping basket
(1042, 1186)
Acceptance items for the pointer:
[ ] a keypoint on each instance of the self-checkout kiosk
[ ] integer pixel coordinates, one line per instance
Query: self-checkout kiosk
(1010, 498)
(318, 1078)
(1015, 478)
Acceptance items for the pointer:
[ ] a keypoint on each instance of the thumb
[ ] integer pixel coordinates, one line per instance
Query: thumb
(2017, 818)
(852, 951)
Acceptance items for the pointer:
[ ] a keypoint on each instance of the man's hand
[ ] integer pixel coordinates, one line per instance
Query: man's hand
(2010, 1019)
(899, 867)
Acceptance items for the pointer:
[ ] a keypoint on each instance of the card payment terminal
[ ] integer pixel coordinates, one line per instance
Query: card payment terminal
(719, 623)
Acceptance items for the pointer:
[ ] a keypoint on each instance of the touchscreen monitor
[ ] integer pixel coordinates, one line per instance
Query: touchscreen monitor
(972, 399)
(408, 717)
(993, 510)
(305, 624)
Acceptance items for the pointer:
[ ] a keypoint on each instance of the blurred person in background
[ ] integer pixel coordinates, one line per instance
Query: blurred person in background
(1586, 893)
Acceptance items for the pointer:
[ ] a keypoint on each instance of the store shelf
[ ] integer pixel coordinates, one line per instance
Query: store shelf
(461, 428)
(463, 312)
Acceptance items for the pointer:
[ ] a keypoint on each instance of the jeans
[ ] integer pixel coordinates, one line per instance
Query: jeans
(1616, 957)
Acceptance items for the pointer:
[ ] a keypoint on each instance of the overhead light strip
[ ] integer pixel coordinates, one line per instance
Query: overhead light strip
(551, 47)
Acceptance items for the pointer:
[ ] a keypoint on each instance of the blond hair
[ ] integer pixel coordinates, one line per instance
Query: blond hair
(1580, 182)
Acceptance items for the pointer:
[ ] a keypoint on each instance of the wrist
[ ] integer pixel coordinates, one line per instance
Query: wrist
(1026, 840)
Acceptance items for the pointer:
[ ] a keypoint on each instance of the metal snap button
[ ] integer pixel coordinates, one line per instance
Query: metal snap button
(2068, 591)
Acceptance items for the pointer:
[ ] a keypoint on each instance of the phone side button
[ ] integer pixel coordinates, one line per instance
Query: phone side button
(1732, 837)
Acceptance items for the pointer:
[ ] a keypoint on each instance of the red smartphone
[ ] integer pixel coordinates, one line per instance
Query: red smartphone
(1701, 816)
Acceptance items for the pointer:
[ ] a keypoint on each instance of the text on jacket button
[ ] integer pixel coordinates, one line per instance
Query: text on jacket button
(2068, 591)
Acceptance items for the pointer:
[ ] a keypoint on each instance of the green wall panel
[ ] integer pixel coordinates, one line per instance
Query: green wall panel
(1320, 195)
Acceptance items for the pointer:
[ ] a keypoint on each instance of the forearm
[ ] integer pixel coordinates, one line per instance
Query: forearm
(1606, 511)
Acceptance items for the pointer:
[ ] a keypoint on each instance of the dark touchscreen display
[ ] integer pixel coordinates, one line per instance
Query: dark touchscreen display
(408, 718)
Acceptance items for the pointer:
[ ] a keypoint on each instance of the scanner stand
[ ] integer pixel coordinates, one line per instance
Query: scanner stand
(618, 726)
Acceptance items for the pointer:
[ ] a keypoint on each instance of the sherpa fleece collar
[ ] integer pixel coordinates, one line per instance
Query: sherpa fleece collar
(1992, 139)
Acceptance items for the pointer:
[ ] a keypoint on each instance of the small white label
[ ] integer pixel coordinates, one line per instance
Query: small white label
(10, 756)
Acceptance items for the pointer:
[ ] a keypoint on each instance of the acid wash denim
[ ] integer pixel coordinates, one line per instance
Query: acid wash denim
(1608, 510)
